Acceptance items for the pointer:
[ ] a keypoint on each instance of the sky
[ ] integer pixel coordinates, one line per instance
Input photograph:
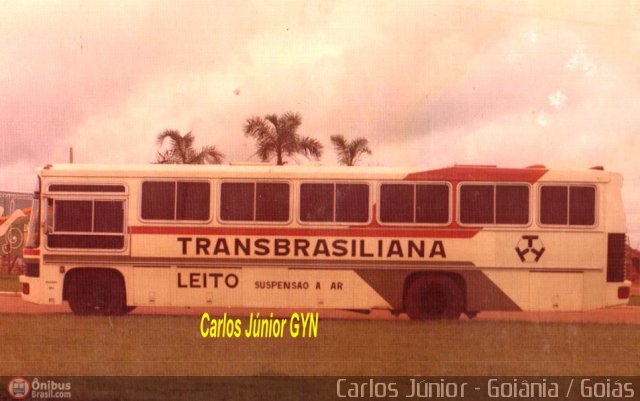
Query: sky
(429, 83)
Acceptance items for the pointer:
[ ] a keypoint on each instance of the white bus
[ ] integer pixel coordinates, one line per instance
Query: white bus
(432, 244)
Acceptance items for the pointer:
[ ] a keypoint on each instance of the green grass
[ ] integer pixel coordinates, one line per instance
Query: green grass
(9, 282)
(172, 345)
(634, 300)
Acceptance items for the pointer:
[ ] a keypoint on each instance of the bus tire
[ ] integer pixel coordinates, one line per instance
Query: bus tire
(434, 297)
(97, 293)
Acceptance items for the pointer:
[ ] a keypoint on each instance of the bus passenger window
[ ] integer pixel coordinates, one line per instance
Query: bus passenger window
(582, 206)
(272, 202)
(193, 201)
(352, 203)
(250, 201)
(108, 217)
(512, 204)
(158, 200)
(476, 204)
(237, 201)
(573, 205)
(432, 203)
(175, 200)
(72, 216)
(396, 203)
(316, 202)
(553, 204)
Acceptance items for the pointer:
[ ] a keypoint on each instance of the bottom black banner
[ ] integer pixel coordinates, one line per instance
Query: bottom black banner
(319, 388)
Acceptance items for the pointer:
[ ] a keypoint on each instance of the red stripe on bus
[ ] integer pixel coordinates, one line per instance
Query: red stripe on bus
(307, 232)
(463, 173)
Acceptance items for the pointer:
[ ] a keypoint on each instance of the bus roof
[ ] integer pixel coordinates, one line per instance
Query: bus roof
(453, 173)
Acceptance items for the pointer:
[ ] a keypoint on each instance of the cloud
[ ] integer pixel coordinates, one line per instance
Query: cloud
(64, 63)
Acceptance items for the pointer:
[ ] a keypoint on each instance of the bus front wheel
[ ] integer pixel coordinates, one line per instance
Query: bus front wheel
(97, 293)
(433, 297)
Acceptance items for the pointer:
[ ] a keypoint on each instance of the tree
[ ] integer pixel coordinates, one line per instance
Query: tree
(181, 150)
(277, 136)
(350, 151)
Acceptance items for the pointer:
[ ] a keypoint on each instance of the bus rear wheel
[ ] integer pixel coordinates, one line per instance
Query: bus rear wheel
(432, 297)
(97, 293)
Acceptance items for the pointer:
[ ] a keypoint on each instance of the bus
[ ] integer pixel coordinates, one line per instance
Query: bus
(433, 244)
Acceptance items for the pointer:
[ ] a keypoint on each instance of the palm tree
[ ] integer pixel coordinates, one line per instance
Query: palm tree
(181, 150)
(277, 136)
(350, 151)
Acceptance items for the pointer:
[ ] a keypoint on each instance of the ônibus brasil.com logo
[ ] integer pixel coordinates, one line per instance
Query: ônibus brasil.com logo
(18, 388)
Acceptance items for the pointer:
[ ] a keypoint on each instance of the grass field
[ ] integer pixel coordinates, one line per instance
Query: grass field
(172, 345)
(9, 282)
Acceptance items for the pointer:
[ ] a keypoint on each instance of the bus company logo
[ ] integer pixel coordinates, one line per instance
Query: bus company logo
(530, 248)
(18, 388)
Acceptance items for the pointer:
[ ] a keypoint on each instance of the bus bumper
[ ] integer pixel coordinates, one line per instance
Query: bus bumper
(30, 289)
(618, 293)
(38, 291)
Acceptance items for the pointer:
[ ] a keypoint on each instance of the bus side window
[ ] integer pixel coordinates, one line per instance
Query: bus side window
(108, 216)
(568, 205)
(316, 202)
(325, 202)
(73, 215)
(512, 204)
(432, 203)
(272, 202)
(158, 200)
(352, 203)
(86, 224)
(237, 201)
(494, 204)
(582, 206)
(193, 201)
(175, 200)
(553, 204)
(397, 203)
(250, 201)
(476, 204)
(414, 203)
